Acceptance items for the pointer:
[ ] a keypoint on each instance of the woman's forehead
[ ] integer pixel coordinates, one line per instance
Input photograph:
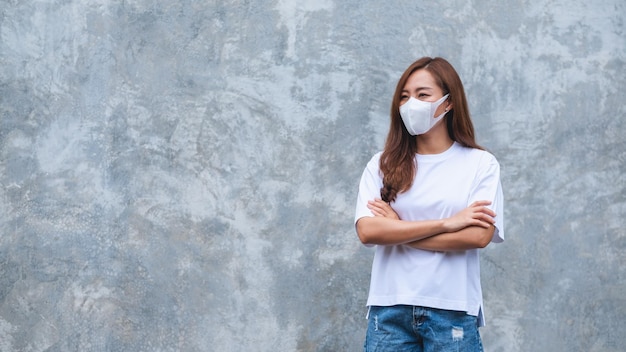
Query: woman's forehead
(420, 79)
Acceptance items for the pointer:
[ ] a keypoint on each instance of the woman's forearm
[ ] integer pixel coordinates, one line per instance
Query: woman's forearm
(386, 231)
(468, 238)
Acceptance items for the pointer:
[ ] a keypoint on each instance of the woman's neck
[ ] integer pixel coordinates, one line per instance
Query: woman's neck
(435, 141)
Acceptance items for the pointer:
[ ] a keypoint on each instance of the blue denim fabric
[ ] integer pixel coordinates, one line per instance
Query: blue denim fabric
(408, 328)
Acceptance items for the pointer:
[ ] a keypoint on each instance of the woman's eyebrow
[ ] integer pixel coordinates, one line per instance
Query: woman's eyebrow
(418, 89)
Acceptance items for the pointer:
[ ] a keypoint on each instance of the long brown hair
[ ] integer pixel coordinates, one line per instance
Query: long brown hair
(397, 162)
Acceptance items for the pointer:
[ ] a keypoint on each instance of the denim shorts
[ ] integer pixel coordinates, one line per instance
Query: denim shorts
(409, 328)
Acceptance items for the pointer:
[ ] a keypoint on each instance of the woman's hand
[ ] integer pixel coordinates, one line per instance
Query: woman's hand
(477, 214)
(381, 208)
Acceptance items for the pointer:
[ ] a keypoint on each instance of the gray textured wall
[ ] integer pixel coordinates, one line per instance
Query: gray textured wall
(181, 175)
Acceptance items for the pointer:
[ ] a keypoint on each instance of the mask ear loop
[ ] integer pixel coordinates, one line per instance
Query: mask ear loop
(446, 96)
(448, 107)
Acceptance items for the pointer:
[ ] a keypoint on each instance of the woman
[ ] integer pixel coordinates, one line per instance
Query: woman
(428, 202)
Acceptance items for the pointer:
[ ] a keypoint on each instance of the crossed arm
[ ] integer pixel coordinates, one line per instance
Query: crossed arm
(472, 227)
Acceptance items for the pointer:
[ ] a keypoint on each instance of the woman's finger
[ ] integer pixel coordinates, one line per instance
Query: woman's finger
(480, 203)
(485, 218)
(487, 211)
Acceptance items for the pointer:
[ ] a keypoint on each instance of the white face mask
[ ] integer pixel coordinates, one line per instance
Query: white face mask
(419, 116)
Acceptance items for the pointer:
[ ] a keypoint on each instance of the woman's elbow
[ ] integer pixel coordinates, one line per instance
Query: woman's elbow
(485, 237)
(365, 236)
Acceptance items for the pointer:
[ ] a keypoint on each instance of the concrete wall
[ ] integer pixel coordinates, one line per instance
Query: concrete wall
(181, 175)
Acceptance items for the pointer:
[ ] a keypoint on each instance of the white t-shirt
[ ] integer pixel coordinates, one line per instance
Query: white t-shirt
(445, 184)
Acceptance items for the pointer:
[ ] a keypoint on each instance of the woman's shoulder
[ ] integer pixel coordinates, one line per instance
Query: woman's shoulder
(376, 156)
(375, 159)
(478, 153)
(479, 156)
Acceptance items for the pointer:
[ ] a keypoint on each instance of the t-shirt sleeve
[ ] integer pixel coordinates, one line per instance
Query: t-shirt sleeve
(487, 186)
(369, 188)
